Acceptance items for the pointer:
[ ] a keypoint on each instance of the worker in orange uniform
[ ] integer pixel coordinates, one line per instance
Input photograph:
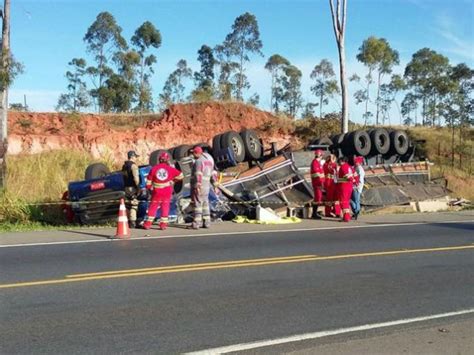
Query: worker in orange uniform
(345, 181)
(160, 181)
(330, 185)
(317, 180)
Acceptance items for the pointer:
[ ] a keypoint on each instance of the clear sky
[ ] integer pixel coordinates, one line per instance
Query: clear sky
(47, 34)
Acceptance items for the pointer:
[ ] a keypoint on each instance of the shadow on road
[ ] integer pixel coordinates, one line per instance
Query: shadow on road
(88, 233)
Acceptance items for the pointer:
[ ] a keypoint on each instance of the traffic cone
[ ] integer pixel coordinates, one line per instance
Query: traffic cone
(123, 231)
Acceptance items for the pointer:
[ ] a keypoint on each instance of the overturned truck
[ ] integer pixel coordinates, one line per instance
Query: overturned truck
(252, 175)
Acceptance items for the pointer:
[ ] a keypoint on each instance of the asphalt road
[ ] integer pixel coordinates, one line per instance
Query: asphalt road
(186, 294)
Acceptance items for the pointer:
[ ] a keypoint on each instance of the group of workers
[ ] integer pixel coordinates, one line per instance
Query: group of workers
(160, 182)
(337, 185)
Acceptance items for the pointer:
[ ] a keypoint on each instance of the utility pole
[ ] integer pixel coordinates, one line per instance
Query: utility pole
(4, 67)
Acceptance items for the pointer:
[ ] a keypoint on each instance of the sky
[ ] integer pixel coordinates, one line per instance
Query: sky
(47, 34)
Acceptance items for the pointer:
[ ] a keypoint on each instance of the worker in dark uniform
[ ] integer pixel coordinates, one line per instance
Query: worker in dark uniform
(132, 187)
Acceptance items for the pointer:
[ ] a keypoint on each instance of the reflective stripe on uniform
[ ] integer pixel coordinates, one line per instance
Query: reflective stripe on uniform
(161, 185)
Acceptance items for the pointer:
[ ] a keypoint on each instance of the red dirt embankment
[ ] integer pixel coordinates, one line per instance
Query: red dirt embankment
(114, 135)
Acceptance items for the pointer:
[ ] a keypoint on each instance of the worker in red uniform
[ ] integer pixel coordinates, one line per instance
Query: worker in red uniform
(345, 181)
(317, 180)
(330, 185)
(160, 181)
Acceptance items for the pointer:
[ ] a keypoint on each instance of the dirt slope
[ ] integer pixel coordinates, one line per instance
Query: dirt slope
(111, 136)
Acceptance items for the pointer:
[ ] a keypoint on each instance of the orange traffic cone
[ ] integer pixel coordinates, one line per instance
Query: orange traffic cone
(123, 231)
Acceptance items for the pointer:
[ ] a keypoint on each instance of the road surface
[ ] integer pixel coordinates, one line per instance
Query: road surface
(184, 294)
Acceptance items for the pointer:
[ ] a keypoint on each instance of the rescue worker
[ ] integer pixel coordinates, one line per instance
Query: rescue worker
(345, 180)
(132, 186)
(359, 177)
(160, 181)
(330, 185)
(317, 180)
(203, 176)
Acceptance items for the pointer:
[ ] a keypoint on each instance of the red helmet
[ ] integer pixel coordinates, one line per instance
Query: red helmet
(358, 160)
(318, 152)
(164, 157)
(197, 150)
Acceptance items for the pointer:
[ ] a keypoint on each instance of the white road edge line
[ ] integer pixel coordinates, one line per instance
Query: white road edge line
(105, 239)
(322, 334)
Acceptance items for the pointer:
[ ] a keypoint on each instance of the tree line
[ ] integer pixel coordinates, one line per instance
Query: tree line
(430, 91)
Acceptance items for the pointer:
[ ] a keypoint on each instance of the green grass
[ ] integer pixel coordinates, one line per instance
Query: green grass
(36, 179)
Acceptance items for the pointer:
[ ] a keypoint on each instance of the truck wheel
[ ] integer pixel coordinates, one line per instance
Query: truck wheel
(358, 143)
(323, 141)
(96, 170)
(181, 151)
(155, 155)
(216, 144)
(380, 141)
(399, 142)
(337, 140)
(233, 140)
(252, 144)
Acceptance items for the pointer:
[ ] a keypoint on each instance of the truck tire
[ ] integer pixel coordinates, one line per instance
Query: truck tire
(337, 140)
(252, 144)
(323, 141)
(399, 142)
(380, 141)
(181, 151)
(233, 140)
(155, 155)
(357, 143)
(96, 170)
(216, 144)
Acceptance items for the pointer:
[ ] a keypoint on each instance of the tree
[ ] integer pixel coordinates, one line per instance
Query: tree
(241, 42)
(377, 54)
(339, 24)
(204, 78)
(426, 74)
(146, 36)
(77, 96)
(226, 68)
(291, 89)
(9, 69)
(104, 39)
(409, 109)
(362, 95)
(388, 94)
(326, 85)
(457, 106)
(173, 90)
(275, 65)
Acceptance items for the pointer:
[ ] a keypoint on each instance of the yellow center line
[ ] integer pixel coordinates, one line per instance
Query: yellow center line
(159, 268)
(225, 265)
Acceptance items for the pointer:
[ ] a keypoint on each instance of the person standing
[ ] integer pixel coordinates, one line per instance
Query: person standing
(160, 181)
(345, 180)
(203, 176)
(330, 185)
(132, 186)
(359, 177)
(317, 180)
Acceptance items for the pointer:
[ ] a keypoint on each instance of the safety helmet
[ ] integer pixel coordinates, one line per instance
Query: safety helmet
(197, 150)
(164, 157)
(318, 152)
